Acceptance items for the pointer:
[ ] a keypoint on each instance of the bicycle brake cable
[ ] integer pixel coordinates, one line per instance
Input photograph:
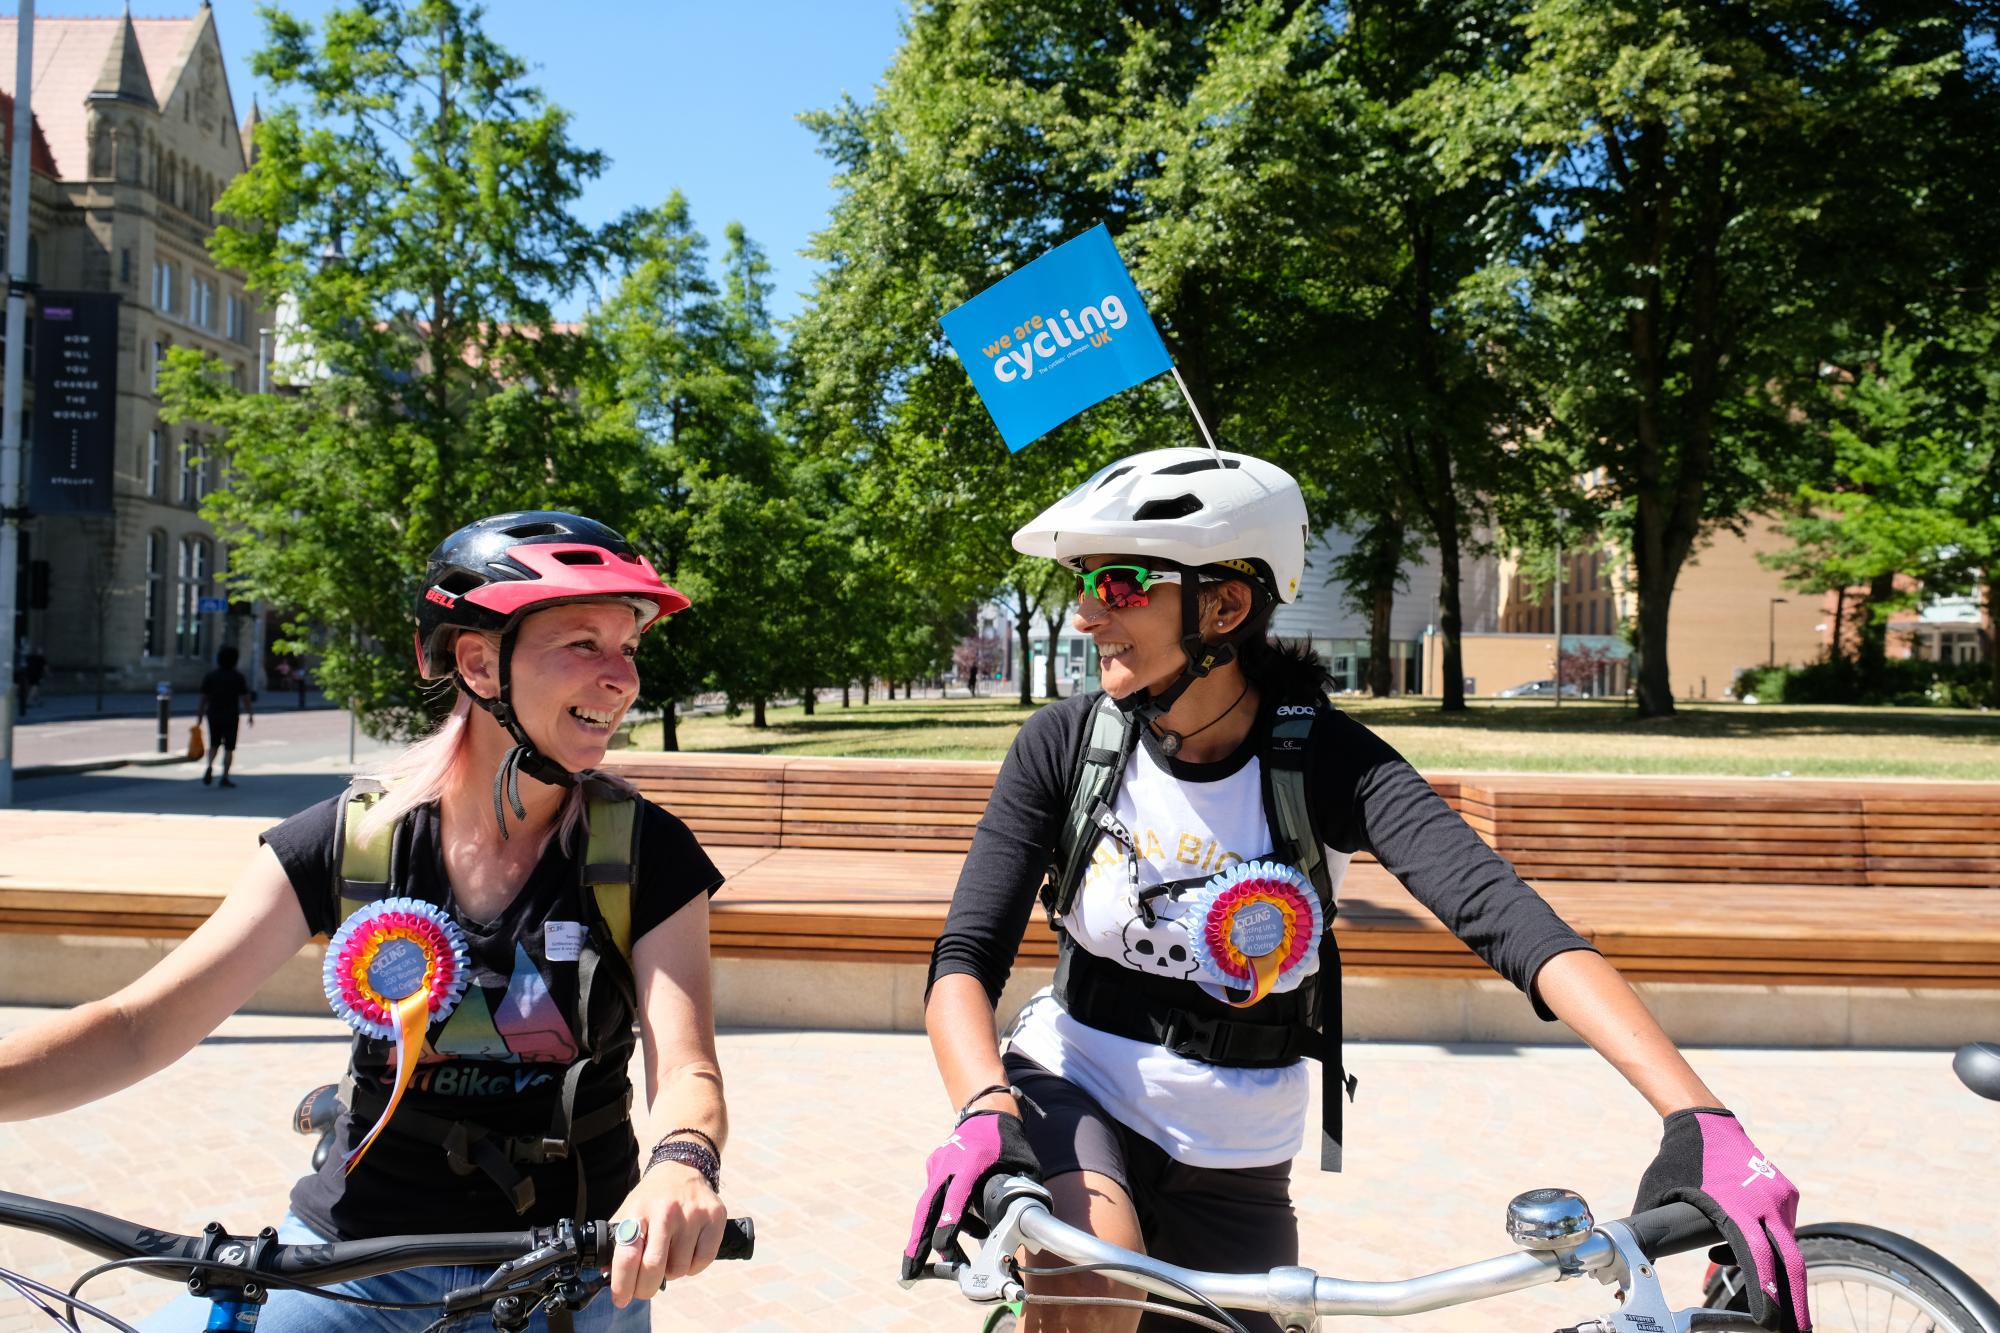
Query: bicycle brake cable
(1228, 1322)
(29, 1289)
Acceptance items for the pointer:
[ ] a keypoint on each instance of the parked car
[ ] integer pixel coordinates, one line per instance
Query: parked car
(1540, 689)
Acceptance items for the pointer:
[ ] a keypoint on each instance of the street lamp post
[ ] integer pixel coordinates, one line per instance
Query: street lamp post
(1562, 515)
(1771, 655)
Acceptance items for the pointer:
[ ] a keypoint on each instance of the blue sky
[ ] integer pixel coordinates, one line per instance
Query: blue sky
(690, 94)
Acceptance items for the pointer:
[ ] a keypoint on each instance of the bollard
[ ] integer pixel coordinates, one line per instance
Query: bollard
(164, 693)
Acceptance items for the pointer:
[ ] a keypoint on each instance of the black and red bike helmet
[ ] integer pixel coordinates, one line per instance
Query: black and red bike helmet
(489, 574)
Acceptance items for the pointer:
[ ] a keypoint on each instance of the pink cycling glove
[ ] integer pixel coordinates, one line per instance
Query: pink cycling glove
(985, 1144)
(1707, 1160)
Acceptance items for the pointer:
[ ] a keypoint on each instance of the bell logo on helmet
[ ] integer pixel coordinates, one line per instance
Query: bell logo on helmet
(440, 596)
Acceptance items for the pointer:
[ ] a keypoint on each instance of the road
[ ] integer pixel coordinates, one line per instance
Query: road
(285, 762)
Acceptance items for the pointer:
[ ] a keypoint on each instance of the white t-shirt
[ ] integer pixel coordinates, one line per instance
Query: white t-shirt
(1201, 1114)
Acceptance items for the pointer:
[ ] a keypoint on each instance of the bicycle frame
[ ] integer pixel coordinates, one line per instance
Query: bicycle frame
(1618, 1252)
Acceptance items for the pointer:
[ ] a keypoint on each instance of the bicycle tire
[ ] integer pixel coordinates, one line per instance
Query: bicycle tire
(1006, 1319)
(1855, 1286)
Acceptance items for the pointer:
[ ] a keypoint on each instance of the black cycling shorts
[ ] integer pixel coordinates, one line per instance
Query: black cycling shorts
(1223, 1220)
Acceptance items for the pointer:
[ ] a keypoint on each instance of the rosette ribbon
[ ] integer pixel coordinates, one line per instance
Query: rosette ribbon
(392, 969)
(1253, 925)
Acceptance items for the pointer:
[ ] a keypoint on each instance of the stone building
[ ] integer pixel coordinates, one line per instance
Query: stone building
(142, 138)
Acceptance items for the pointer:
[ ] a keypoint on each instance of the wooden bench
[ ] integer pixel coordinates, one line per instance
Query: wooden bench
(1885, 884)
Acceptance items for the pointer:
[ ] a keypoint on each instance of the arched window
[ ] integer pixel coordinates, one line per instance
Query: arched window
(156, 592)
(156, 461)
(194, 630)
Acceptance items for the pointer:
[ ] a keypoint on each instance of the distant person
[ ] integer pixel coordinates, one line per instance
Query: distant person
(225, 696)
(28, 681)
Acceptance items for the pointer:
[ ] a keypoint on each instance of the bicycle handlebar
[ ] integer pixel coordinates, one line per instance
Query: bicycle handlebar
(320, 1263)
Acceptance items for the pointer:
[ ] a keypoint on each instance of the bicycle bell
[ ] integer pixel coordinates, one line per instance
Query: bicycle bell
(1548, 1219)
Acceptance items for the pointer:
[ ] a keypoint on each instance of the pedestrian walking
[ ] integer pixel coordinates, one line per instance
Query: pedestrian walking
(501, 914)
(226, 700)
(33, 668)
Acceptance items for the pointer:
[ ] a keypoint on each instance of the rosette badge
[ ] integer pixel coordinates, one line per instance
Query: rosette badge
(1253, 925)
(392, 969)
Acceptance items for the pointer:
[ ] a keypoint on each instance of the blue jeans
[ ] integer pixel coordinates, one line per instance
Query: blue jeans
(297, 1312)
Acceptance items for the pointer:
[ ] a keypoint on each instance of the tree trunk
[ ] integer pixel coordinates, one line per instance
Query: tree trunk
(847, 695)
(757, 718)
(1451, 623)
(1024, 631)
(809, 697)
(867, 686)
(1993, 635)
(670, 733)
(1874, 656)
(1839, 650)
(1655, 689)
(1381, 602)
(1049, 677)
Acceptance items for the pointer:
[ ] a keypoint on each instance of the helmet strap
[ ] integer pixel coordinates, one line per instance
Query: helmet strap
(524, 757)
(1202, 658)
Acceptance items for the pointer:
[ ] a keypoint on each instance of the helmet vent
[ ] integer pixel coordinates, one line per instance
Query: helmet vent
(1196, 465)
(580, 557)
(1113, 475)
(538, 530)
(459, 582)
(1178, 507)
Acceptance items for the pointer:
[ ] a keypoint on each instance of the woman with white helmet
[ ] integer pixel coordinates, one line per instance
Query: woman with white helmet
(1187, 828)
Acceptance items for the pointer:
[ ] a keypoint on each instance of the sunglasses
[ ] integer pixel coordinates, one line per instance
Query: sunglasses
(1121, 587)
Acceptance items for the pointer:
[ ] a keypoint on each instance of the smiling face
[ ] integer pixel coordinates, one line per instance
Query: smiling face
(571, 678)
(1138, 647)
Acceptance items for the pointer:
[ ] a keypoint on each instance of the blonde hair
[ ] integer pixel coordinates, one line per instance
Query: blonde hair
(420, 775)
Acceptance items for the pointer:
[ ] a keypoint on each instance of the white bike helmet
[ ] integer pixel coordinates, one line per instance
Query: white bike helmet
(1186, 506)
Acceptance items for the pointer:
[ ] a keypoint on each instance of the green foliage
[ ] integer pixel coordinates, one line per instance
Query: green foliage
(1685, 238)
(410, 215)
(1902, 682)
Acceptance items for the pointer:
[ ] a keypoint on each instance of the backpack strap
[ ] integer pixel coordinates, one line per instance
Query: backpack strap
(1297, 839)
(611, 859)
(1100, 768)
(363, 871)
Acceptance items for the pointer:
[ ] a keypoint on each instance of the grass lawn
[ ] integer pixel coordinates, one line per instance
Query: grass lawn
(1491, 736)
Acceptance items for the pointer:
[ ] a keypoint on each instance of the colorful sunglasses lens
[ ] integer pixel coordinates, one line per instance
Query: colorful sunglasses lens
(1119, 588)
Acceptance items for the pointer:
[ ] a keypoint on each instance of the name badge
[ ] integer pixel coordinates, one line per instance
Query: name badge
(562, 941)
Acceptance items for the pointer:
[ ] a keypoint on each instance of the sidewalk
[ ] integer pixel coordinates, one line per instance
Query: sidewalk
(134, 703)
(829, 1132)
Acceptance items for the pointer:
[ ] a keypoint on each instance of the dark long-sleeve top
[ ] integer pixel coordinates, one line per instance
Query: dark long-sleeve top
(1365, 797)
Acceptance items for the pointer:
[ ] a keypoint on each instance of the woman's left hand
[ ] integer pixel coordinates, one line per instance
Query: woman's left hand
(679, 1227)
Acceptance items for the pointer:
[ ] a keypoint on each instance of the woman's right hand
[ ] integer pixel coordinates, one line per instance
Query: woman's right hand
(985, 1144)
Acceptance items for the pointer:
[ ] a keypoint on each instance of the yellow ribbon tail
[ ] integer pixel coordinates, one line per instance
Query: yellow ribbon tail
(1265, 968)
(413, 1020)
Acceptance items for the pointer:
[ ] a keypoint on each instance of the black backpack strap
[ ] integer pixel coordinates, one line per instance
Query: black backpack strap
(1100, 768)
(1289, 809)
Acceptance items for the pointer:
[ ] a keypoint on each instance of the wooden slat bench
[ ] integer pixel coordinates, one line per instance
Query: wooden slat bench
(1771, 883)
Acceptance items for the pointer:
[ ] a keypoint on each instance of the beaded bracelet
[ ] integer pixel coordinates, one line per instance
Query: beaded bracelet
(703, 1157)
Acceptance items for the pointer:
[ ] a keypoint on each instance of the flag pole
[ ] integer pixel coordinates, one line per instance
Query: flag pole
(1197, 414)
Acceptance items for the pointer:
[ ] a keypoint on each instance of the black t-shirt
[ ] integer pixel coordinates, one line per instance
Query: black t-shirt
(499, 1058)
(224, 689)
(1366, 797)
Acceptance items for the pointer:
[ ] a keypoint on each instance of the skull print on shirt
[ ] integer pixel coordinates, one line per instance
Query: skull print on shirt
(1160, 949)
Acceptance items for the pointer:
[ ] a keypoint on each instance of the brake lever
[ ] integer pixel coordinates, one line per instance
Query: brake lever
(990, 1276)
(1643, 1306)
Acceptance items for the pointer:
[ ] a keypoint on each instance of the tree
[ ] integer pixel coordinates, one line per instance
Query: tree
(412, 216)
(1685, 237)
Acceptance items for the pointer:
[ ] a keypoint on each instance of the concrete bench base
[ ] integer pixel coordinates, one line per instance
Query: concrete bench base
(64, 969)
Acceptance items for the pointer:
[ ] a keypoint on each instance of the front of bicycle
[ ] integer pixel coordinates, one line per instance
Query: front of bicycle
(554, 1271)
(1555, 1236)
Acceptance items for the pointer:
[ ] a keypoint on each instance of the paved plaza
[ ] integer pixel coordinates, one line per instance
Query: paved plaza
(830, 1130)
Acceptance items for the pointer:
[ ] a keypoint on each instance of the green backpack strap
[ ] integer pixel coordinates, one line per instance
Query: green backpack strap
(362, 874)
(1107, 747)
(611, 859)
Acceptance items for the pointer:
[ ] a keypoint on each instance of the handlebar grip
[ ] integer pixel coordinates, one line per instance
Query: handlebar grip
(1673, 1228)
(739, 1239)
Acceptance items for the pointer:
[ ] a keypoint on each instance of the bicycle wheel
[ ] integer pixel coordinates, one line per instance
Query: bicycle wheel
(1003, 1320)
(1857, 1287)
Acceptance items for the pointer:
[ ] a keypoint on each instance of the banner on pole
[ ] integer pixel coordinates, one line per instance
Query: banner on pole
(76, 402)
(1055, 336)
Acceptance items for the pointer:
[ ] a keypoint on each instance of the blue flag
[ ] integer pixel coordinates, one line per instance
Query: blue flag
(1056, 336)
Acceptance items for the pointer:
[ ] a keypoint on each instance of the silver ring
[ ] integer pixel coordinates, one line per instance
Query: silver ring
(629, 1232)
